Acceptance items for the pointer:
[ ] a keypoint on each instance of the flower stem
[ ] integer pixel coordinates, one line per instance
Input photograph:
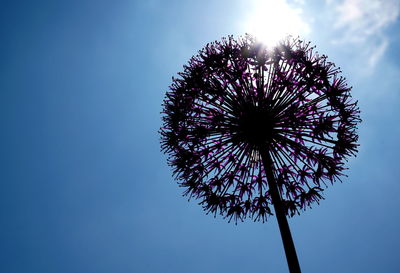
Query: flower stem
(291, 256)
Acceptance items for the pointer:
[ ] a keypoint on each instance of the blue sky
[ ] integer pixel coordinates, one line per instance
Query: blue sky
(83, 185)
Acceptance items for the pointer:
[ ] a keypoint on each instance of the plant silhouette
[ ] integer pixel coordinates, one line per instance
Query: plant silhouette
(246, 127)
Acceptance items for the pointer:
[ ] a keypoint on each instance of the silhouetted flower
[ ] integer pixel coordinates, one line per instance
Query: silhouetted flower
(237, 98)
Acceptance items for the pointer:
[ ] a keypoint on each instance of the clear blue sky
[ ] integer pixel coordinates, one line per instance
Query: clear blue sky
(83, 185)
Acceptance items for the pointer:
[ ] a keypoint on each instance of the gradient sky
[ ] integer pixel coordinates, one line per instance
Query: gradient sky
(83, 185)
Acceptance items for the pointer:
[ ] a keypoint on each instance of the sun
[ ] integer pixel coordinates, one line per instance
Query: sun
(272, 20)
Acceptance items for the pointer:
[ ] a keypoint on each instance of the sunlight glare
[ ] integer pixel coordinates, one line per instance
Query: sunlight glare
(272, 20)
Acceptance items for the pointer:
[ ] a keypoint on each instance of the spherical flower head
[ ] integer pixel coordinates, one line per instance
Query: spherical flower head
(236, 100)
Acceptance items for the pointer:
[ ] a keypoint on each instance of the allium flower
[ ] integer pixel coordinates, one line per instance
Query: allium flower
(242, 119)
(246, 127)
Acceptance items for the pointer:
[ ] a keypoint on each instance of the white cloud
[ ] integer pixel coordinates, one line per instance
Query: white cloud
(377, 52)
(363, 23)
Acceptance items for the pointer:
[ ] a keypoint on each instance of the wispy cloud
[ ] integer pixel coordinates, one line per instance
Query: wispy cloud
(363, 23)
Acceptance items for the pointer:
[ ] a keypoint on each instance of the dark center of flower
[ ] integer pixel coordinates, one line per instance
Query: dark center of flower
(254, 125)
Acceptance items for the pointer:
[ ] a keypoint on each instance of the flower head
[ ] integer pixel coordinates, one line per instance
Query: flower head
(236, 100)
